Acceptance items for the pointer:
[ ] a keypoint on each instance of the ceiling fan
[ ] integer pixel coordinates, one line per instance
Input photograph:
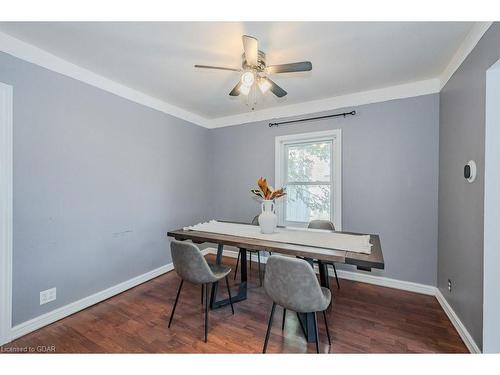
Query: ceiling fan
(255, 71)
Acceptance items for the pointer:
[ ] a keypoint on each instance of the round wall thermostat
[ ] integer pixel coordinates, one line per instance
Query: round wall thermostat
(470, 171)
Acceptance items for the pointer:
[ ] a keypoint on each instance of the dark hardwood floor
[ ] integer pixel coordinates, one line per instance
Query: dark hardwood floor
(364, 319)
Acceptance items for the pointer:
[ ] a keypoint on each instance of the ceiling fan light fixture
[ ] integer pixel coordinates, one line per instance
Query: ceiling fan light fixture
(248, 78)
(244, 89)
(264, 85)
(255, 70)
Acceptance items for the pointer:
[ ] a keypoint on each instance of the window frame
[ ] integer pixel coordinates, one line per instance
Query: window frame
(335, 136)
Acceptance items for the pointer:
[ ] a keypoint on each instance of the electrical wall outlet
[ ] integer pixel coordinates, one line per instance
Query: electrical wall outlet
(47, 296)
(449, 285)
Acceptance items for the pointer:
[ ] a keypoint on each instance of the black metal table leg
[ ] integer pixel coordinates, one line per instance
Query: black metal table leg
(218, 257)
(242, 291)
(218, 260)
(236, 268)
(323, 274)
(306, 320)
(335, 272)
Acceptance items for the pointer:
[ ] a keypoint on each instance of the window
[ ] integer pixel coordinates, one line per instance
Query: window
(309, 166)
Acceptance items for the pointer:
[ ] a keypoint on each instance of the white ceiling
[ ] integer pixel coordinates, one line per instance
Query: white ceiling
(157, 58)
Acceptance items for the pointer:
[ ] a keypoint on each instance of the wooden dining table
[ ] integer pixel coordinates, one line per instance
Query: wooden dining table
(365, 262)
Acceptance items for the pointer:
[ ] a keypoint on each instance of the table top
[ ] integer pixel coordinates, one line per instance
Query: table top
(362, 261)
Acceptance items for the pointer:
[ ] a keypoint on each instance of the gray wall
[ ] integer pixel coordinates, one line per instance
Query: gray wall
(390, 177)
(491, 323)
(97, 182)
(461, 205)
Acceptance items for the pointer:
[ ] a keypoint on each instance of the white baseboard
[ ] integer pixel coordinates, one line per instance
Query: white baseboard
(457, 323)
(64, 311)
(396, 284)
(387, 282)
(355, 276)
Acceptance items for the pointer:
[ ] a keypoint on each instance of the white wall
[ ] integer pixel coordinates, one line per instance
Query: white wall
(5, 210)
(491, 312)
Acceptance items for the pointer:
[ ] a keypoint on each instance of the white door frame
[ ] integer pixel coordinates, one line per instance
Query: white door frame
(6, 166)
(491, 278)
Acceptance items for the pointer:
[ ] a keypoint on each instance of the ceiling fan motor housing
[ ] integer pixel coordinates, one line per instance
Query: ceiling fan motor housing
(261, 62)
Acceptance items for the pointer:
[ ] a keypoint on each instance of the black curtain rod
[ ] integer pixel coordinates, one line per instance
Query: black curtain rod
(352, 113)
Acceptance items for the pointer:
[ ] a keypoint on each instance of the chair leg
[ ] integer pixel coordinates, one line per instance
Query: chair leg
(269, 327)
(202, 292)
(327, 330)
(229, 294)
(336, 277)
(206, 312)
(250, 253)
(283, 322)
(237, 262)
(260, 275)
(175, 303)
(315, 322)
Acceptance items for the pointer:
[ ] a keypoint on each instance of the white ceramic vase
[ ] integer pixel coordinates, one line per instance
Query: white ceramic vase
(268, 220)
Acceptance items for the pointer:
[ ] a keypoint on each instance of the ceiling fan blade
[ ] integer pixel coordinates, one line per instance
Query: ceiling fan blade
(236, 90)
(251, 47)
(216, 67)
(275, 89)
(302, 66)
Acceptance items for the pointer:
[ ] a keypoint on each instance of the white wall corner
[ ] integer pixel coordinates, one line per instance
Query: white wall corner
(468, 44)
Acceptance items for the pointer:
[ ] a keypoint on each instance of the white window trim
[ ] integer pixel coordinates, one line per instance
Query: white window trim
(336, 136)
(6, 213)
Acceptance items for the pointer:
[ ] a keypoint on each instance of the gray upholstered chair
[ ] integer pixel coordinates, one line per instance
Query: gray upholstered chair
(325, 225)
(255, 221)
(292, 284)
(191, 266)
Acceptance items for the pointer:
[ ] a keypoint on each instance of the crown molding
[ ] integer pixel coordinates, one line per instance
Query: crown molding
(37, 56)
(468, 44)
(40, 57)
(407, 90)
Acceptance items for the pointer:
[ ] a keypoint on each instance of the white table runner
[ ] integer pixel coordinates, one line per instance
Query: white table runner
(297, 236)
